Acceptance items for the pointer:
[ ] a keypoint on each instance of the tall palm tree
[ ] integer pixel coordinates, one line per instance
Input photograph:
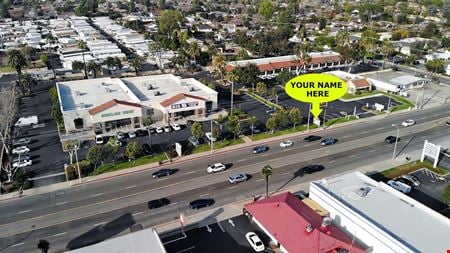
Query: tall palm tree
(219, 61)
(82, 44)
(93, 67)
(252, 120)
(266, 172)
(193, 51)
(17, 61)
(387, 49)
(137, 63)
(26, 83)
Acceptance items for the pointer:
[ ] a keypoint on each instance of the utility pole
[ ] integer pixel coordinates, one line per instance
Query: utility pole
(212, 137)
(85, 69)
(423, 95)
(396, 140)
(309, 115)
(78, 164)
(325, 114)
(232, 91)
(170, 141)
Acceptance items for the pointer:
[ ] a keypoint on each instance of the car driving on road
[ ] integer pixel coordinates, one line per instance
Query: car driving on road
(157, 203)
(163, 173)
(255, 242)
(328, 141)
(391, 139)
(286, 143)
(312, 168)
(312, 138)
(216, 168)
(260, 149)
(408, 122)
(200, 203)
(237, 178)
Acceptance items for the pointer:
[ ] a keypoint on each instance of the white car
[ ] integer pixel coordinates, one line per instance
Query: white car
(21, 150)
(120, 136)
(98, 139)
(22, 142)
(216, 168)
(167, 128)
(131, 134)
(159, 130)
(255, 242)
(408, 122)
(176, 127)
(22, 163)
(286, 143)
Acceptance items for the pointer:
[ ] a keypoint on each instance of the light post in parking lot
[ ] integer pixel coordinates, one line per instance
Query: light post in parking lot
(396, 140)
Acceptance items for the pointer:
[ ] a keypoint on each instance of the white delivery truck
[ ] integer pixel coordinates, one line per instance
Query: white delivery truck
(399, 186)
(26, 121)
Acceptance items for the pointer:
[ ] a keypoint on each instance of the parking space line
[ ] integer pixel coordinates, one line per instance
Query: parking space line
(264, 154)
(424, 118)
(380, 128)
(352, 156)
(232, 187)
(135, 214)
(174, 203)
(25, 211)
(332, 161)
(98, 194)
(241, 160)
(373, 150)
(204, 195)
(61, 203)
(129, 187)
(162, 179)
(364, 132)
(307, 145)
(346, 136)
(17, 244)
(63, 233)
(184, 250)
(99, 224)
(259, 180)
(190, 172)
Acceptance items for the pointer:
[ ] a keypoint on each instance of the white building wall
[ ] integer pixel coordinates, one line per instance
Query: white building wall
(380, 85)
(348, 220)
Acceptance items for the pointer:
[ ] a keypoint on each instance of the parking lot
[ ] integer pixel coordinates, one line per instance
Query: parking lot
(220, 237)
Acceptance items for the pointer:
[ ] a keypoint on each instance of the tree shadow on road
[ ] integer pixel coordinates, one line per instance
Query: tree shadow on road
(298, 173)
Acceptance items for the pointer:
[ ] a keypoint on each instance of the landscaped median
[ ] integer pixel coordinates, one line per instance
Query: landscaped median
(109, 167)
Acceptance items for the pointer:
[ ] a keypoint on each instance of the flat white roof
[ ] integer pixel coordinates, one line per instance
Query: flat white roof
(390, 210)
(268, 60)
(406, 79)
(143, 241)
(94, 92)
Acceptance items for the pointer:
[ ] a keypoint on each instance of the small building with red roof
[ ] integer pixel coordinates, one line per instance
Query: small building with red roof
(296, 228)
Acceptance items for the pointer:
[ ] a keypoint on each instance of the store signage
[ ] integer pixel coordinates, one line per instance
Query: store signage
(112, 114)
(184, 105)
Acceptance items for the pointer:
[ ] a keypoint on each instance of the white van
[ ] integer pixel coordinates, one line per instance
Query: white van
(399, 186)
(26, 121)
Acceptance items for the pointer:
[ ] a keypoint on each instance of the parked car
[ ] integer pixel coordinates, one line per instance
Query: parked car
(120, 136)
(176, 127)
(255, 242)
(146, 149)
(271, 111)
(210, 137)
(399, 186)
(286, 143)
(312, 168)
(216, 168)
(405, 181)
(255, 129)
(189, 123)
(21, 150)
(236, 178)
(167, 129)
(391, 139)
(200, 203)
(159, 130)
(447, 123)
(151, 130)
(99, 139)
(260, 149)
(163, 173)
(328, 141)
(21, 142)
(22, 163)
(131, 134)
(408, 122)
(21, 158)
(403, 94)
(312, 138)
(141, 132)
(157, 203)
(413, 179)
(194, 141)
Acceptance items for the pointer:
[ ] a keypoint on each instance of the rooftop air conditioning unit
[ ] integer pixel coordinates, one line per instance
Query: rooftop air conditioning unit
(108, 90)
(362, 191)
(326, 221)
(149, 86)
(77, 93)
(156, 93)
(191, 89)
(309, 228)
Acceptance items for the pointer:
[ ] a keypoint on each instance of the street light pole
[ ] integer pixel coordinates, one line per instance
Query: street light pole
(396, 140)
(309, 113)
(423, 95)
(231, 108)
(212, 137)
(78, 164)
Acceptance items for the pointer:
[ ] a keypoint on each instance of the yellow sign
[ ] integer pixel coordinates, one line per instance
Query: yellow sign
(316, 89)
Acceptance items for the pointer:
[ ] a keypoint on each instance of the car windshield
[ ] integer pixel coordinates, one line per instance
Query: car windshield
(258, 243)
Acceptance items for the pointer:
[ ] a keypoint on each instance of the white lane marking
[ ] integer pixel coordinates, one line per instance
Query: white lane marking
(59, 193)
(259, 180)
(423, 137)
(17, 244)
(424, 118)
(99, 224)
(364, 132)
(129, 187)
(98, 194)
(190, 172)
(25, 211)
(332, 161)
(307, 145)
(61, 203)
(373, 150)
(63, 233)
(162, 179)
(203, 195)
(134, 214)
(352, 156)
(346, 136)
(184, 250)
(285, 173)
(174, 203)
(232, 187)
(287, 149)
(264, 154)
(380, 128)
(241, 160)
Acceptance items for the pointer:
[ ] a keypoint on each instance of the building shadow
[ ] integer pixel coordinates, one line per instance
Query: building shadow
(102, 232)
(211, 218)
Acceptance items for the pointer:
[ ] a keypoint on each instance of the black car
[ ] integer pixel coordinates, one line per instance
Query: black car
(312, 168)
(157, 203)
(312, 138)
(146, 149)
(141, 132)
(163, 173)
(200, 203)
(391, 139)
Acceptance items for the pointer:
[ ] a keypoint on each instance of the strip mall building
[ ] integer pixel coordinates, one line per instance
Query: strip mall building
(107, 104)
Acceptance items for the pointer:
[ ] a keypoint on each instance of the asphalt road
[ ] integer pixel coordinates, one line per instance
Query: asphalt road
(93, 212)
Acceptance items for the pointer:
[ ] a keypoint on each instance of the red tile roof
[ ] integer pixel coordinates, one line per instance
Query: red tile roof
(109, 104)
(286, 218)
(361, 83)
(178, 97)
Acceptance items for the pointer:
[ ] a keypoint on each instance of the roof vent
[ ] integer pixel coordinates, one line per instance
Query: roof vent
(309, 228)
(77, 93)
(82, 105)
(326, 222)
(191, 89)
(108, 90)
(362, 191)
(157, 93)
(149, 86)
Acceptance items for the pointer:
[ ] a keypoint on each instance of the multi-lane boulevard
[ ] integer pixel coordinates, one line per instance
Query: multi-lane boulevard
(93, 212)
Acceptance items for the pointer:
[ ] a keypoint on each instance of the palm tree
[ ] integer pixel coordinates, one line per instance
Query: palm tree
(93, 67)
(17, 61)
(252, 120)
(26, 82)
(302, 53)
(219, 61)
(137, 63)
(387, 50)
(266, 172)
(193, 51)
(82, 44)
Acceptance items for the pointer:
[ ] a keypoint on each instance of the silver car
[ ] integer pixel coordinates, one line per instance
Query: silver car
(237, 178)
(413, 179)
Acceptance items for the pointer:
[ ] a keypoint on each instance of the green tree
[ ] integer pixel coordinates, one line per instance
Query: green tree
(133, 149)
(273, 94)
(193, 51)
(342, 37)
(234, 125)
(431, 30)
(295, 116)
(369, 39)
(4, 13)
(93, 68)
(322, 23)
(216, 132)
(436, 65)
(148, 121)
(242, 55)
(410, 60)
(77, 65)
(81, 44)
(399, 33)
(271, 124)
(387, 49)
(26, 82)
(282, 117)
(266, 172)
(97, 154)
(114, 147)
(252, 120)
(161, 4)
(197, 130)
(44, 58)
(137, 63)
(17, 61)
(169, 21)
(265, 9)
(28, 52)
(284, 76)
(113, 63)
(43, 245)
(219, 61)
(261, 88)
(131, 6)
(446, 195)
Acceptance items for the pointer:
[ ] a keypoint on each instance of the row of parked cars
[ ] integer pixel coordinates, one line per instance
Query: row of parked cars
(21, 157)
